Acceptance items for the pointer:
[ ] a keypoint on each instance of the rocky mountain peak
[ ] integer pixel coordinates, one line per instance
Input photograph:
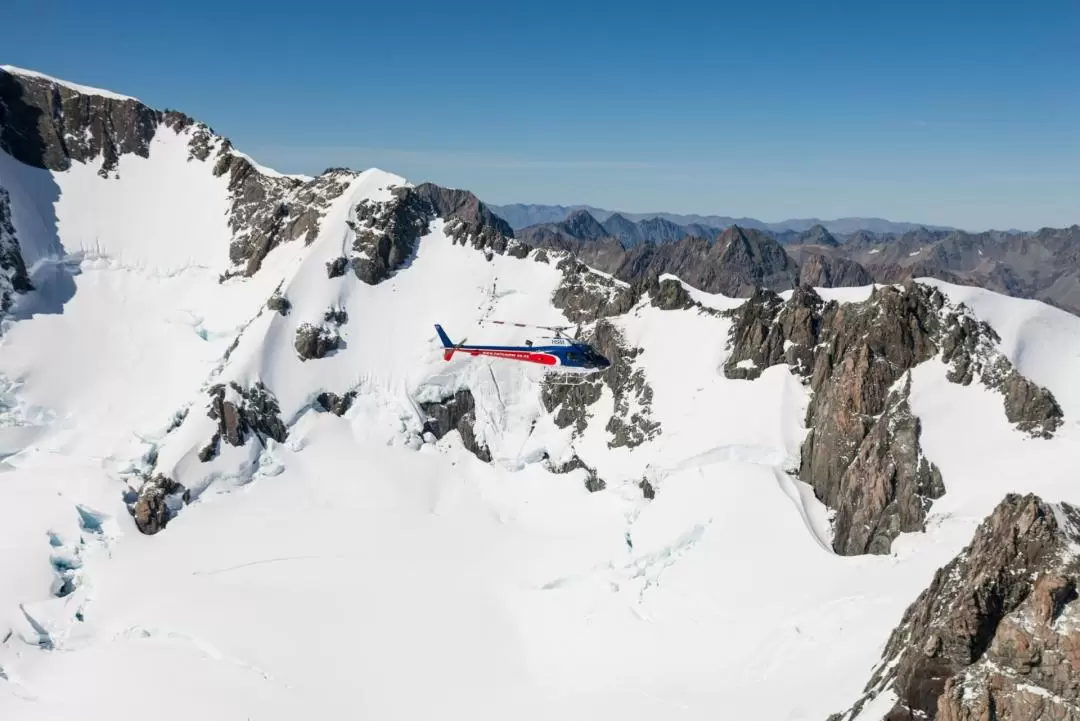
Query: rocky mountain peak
(862, 453)
(818, 235)
(996, 634)
(582, 225)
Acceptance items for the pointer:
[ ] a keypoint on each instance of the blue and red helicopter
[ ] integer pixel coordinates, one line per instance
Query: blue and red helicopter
(564, 353)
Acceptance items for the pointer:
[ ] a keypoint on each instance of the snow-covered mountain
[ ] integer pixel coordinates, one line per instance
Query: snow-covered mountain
(239, 480)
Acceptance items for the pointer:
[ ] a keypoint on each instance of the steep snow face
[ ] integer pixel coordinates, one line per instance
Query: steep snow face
(359, 563)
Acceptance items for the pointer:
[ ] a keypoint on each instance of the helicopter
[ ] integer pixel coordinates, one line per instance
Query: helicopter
(568, 354)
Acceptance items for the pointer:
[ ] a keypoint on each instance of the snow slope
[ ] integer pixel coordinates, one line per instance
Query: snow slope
(362, 570)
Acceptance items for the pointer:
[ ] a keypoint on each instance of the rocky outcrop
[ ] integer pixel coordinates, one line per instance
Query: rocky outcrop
(13, 276)
(267, 211)
(737, 263)
(861, 453)
(593, 482)
(455, 413)
(969, 346)
(240, 414)
(630, 423)
(386, 234)
(279, 304)
(669, 294)
(996, 635)
(829, 271)
(50, 125)
(585, 296)
(314, 341)
(337, 316)
(337, 267)
(469, 221)
(888, 487)
(156, 503)
(333, 403)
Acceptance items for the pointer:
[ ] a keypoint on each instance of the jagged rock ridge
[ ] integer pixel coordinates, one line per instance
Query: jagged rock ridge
(996, 635)
(861, 453)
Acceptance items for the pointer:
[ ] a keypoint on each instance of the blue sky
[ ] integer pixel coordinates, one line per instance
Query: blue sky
(951, 112)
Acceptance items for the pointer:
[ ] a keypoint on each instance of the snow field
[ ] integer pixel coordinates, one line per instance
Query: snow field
(355, 566)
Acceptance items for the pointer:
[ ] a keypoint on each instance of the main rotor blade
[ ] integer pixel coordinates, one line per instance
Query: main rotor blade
(556, 328)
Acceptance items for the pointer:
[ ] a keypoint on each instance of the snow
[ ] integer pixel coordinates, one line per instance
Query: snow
(360, 566)
(716, 301)
(86, 90)
(269, 172)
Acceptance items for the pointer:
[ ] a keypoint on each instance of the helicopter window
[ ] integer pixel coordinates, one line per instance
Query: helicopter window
(575, 357)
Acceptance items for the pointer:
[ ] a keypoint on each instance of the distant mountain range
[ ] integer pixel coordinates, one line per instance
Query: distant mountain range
(1043, 265)
(521, 215)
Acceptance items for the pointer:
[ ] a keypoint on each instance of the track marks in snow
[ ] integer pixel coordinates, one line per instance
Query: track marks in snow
(141, 633)
(265, 561)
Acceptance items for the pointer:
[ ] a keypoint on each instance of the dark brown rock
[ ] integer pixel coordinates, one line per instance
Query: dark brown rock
(862, 453)
(333, 403)
(995, 635)
(241, 413)
(279, 304)
(151, 509)
(313, 342)
(456, 413)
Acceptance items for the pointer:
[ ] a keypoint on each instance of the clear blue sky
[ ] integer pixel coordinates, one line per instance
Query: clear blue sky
(954, 112)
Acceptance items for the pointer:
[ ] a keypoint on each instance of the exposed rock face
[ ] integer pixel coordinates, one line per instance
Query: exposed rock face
(969, 346)
(333, 403)
(824, 271)
(631, 422)
(456, 413)
(386, 234)
(151, 509)
(862, 453)
(739, 261)
(336, 267)
(279, 304)
(579, 225)
(996, 635)
(313, 342)
(267, 211)
(593, 482)
(49, 125)
(889, 486)
(241, 413)
(585, 296)
(669, 294)
(469, 221)
(337, 316)
(13, 276)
